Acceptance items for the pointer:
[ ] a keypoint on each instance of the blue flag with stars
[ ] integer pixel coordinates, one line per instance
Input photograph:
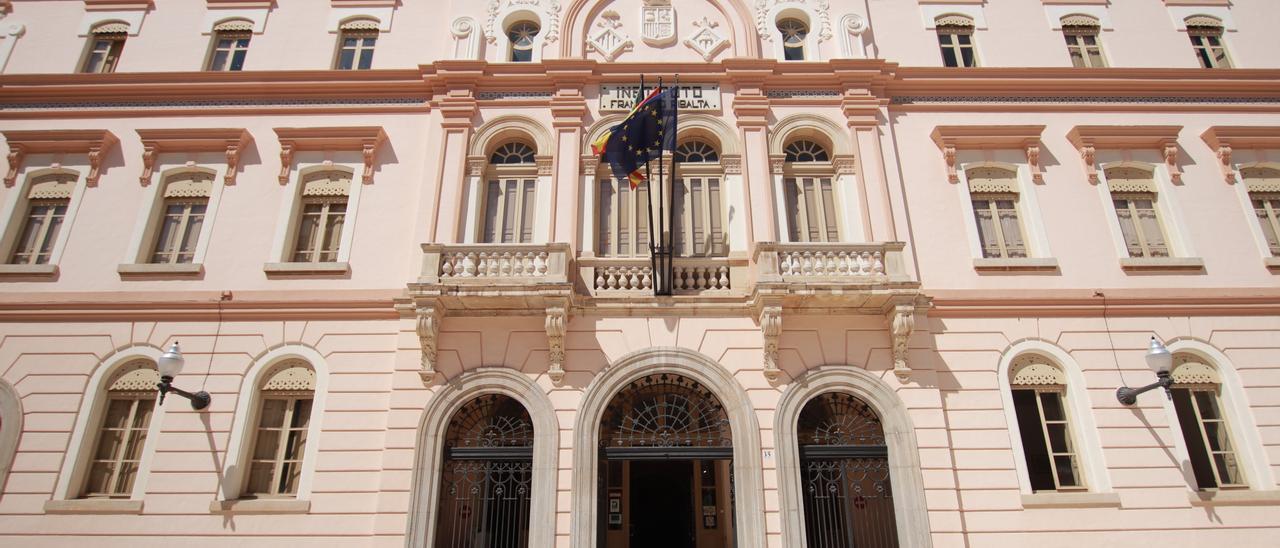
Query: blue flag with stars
(643, 135)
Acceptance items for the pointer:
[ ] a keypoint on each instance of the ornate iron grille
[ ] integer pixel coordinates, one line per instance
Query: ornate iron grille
(848, 499)
(665, 410)
(488, 471)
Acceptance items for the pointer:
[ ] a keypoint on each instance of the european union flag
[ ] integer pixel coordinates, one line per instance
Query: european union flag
(644, 134)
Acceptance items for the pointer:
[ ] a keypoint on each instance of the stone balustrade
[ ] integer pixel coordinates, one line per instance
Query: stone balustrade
(494, 264)
(693, 275)
(861, 263)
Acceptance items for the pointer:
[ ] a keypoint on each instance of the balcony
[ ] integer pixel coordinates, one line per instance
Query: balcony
(870, 276)
(605, 277)
(495, 277)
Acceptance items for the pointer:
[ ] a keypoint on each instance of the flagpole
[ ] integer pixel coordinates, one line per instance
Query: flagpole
(675, 139)
(653, 257)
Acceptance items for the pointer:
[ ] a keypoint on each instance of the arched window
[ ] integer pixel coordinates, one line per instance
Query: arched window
(699, 205)
(1040, 403)
(1133, 194)
(794, 32)
(106, 42)
(1263, 184)
(1206, 40)
(809, 193)
(322, 216)
(48, 197)
(1083, 43)
(848, 499)
(509, 197)
(955, 37)
(994, 193)
(1207, 436)
(487, 475)
(177, 234)
(122, 433)
(522, 35)
(281, 430)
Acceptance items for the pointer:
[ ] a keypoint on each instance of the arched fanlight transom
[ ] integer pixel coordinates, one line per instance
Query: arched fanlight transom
(665, 410)
(696, 152)
(490, 421)
(512, 153)
(839, 419)
(806, 151)
(794, 31)
(522, 34)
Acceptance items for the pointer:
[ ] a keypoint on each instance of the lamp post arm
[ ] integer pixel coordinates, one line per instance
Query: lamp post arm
(199, 400)
(1129, 396)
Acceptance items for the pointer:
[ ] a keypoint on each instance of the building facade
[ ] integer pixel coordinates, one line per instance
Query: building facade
(920, 244)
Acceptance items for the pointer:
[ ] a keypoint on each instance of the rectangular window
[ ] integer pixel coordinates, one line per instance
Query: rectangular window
(320, 229)
(1083, 45)
(281, 442)
(117, 454)
(999, 230)
(957, 46)
(1267, 208)
(699, 231)
(104, 52)
(509, 211)
(1052, 463)
(355, 49)
(1140, 224)
(179, 230)
(229, 50)
(40, 232)
(1207, 43)
(1213, 457)
(624, 220)
(811, 209)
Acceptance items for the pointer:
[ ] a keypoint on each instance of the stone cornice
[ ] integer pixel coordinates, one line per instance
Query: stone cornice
(366, 139)
(1119, 302)
(1087, 139)
(198, 305)
(94, 142)
(952, 138)
(229, 140)
(1224, 139)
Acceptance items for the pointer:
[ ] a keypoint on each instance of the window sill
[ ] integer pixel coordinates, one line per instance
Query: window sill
(305, 269)
(260, 506)
(28, 271)
(1233, 497)
(1011, 265)
(151, 271)
(1162, 263)
(1070, 500)
(1273, 264)
(93, 506)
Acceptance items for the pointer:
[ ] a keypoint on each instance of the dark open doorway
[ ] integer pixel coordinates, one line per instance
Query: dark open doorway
(662, 504)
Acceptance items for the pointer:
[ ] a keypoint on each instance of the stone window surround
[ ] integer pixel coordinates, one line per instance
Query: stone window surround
(1082, 425)
(243, 431)
(428, 463)
(484, 141)
(799, 11)
(284, 239)
(1262, 144)
(1056, 12)
(71, 478)
(15, 209)
(510, 15)
(137, 264)
(1244, 430)
(910, 512)
(852, 218)
(10, 427)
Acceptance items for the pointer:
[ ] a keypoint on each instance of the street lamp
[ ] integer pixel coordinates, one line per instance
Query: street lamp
(1159, 360)
(170, 364)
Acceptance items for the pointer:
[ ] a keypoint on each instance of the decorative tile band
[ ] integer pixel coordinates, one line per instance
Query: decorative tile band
(487, 95)
(800, 93)
(216, 103)
(912, 100)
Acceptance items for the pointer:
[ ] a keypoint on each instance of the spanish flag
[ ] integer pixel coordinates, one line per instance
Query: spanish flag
(647, 130)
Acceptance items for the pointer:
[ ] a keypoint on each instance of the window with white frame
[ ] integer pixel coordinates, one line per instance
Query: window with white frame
(1083, 40)
(809, 193)
(623, 219)
(280, 432)
(186, 198)
(356, 41)
(794, 32)
(48, 197)
(1206, 40)
(230, 45)
(522, 35)
(509, 194)
(1133, 195)
(321, 216)
(955, 38)
(121, 435)
(1197, 401)
(699, 205)
(994, 194)
(1040, 403)
(1263, 184)
(106, 42)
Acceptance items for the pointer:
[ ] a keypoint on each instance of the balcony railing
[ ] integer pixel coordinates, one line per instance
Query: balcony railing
(614, 276)
(831, 263)
(494, 264)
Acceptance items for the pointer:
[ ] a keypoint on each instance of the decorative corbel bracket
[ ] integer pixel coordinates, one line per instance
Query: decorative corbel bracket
(1227, 139)
(902, 321)
(951, 139)
(1088, 139)
(364, 139)
(428, 333)
(557, 325)
(1033, 161)
(1089, 156)
(1171, 161)
(771, 330)
(949, 156)
(95, 143)
(1224, 163)
(230, 141)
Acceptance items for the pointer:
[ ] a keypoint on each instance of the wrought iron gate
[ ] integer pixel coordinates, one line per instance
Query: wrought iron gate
(848, 500)
(488, 471)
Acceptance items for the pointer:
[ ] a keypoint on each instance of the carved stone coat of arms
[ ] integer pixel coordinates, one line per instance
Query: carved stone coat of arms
(658, 22)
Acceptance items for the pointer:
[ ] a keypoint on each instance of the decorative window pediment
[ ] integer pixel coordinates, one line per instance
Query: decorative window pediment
(230, 141)
(1130, 179)
(291, 376)
(95, 142)
(53, 186)
(1190, 369)
(1080, 20)
(366, 139)
(1204, 21)
(992, 179)
(362, 23)
(1087, 139)
(953, 20)
(135, 376)
(954, 138)
(1035, 370)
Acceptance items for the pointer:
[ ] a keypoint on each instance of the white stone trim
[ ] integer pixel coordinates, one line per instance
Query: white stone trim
(1235, 404)
(75, 465)
(147, 224)
(931, 12)
(795, 10)
(257, 16)
(9, 35)
(91, 19)
(1055, 12)
(910, 512)
(747, 465)
(513, 13)
(338, 16)
(1242, 193)
(283, 239)
(1171, 221)
(429, 457)
(1179, 15)
(10, 427)
(1083, 429)
(245, 420)
(1034, 234)
(15, 209)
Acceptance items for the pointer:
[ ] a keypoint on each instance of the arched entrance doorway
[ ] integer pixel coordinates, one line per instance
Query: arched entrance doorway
(665, 476)
(848, 499)
(487, 476)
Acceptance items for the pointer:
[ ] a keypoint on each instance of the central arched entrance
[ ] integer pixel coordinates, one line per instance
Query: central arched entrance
(665, 475)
